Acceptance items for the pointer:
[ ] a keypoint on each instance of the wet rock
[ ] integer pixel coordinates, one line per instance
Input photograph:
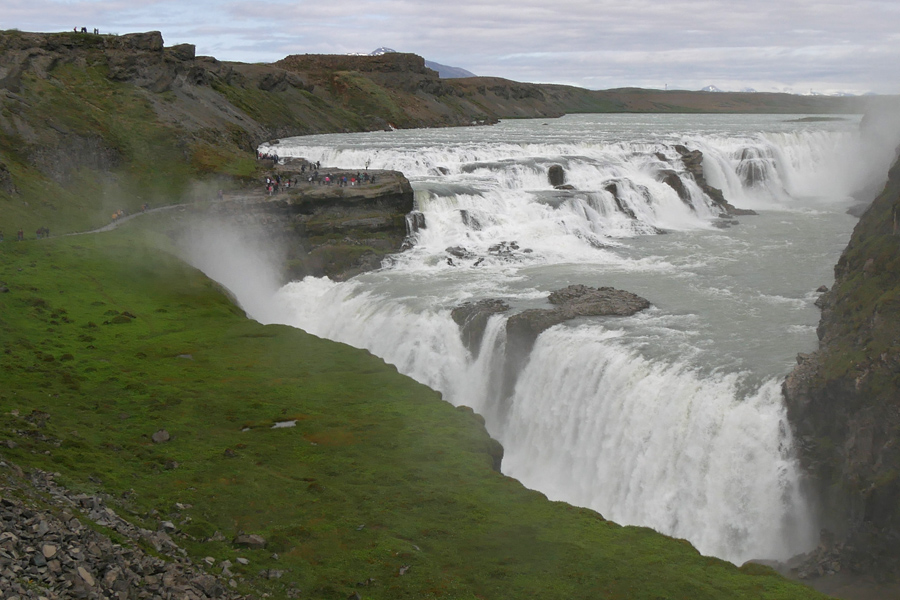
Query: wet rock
(522, 329)
(472, 318)
(556, 175)
(504, 248)
(693, 164)
(415, 221)
(822, 289)
(613, 189)
(605, 301)
(673, 180)
(469, 220)
(459, 252)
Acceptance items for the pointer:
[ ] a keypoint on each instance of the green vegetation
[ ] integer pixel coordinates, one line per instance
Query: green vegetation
(108, 338)
(99, 146)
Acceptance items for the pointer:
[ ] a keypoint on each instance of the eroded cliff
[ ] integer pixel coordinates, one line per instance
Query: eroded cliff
(843, 400)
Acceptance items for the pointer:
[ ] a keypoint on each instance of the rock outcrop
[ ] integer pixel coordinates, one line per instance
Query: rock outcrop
(843, 401)
(693, 163)
(522, 329)
(322, 230)
(556, 175)
(472, 318)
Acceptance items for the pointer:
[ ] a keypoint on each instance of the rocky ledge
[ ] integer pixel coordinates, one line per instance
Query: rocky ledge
(523, 328)
(323, 229)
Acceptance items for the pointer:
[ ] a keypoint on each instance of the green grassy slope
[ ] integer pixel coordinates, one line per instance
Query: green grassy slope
(106, 339)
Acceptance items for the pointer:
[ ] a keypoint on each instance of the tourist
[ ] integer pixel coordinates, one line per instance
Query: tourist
(20, 236)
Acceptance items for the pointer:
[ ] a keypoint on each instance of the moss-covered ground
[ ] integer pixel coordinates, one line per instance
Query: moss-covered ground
(107, 338)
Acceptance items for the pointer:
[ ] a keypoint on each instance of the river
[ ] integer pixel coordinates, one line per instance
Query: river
(672, 418)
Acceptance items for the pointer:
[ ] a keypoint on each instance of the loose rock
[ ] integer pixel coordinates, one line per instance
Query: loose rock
(160, 436)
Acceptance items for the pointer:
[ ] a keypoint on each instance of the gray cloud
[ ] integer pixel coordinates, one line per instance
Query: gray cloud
(825, 45)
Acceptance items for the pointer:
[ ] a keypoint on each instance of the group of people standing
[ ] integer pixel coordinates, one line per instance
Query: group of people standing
(274, 183)
(42, 232)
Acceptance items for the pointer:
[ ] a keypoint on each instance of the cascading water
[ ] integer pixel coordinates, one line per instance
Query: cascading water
(671, 418)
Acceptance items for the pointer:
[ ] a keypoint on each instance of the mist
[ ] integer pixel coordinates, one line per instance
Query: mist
(241, 258)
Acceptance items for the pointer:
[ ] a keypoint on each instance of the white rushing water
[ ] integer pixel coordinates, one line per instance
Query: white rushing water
(672, 418)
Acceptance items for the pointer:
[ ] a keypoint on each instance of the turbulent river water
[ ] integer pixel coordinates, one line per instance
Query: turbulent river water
(672, 418)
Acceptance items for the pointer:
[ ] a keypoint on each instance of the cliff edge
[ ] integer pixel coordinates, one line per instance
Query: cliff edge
(843, 400)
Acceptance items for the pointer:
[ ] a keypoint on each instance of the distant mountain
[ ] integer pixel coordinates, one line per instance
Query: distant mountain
(444, 72)
(749, 90)
(710, 88)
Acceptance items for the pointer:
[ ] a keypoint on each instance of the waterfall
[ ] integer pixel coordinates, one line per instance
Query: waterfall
(670, 419)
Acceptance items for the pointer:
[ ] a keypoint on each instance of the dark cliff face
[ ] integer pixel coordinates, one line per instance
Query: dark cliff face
(844, 400)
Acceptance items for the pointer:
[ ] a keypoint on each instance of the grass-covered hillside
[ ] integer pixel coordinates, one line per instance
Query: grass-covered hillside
(107, 338)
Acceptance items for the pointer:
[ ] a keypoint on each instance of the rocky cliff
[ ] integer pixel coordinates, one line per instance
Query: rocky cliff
(320, 230)
(843, 400)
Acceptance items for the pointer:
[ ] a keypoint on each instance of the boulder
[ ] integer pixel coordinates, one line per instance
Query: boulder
(249, 541)
(585, 301)
(161, 436)
(556, 175)
(183, 51)
(472, 318)
(459, 252)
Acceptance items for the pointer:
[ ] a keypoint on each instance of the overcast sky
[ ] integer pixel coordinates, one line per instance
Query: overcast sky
(787, 45)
